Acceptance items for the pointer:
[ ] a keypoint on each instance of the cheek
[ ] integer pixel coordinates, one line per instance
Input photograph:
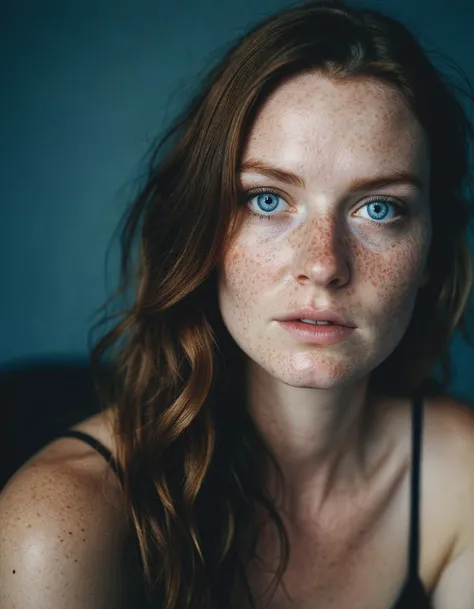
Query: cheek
(247, 268)
(393, 279)
(388, 272)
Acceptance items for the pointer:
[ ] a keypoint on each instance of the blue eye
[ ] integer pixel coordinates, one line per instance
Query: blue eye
(266, 201)
(378, 208)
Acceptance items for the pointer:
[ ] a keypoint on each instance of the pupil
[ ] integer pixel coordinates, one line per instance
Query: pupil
(266, 203)
(378, 208)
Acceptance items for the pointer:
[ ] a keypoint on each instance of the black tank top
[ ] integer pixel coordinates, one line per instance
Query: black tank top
(413, 594)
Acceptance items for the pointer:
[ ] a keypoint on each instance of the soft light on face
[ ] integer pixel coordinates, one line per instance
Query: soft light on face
(334, 237)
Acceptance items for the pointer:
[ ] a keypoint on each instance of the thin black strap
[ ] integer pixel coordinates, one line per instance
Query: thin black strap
(417, 426)
(100, 448)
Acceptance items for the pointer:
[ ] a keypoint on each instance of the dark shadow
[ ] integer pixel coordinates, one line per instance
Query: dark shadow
(40, 399)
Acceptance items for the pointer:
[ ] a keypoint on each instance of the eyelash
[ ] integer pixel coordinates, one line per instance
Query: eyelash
(402, 211)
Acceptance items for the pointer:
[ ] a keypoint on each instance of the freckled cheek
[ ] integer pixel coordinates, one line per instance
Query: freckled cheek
(249, 267)
(394, 277)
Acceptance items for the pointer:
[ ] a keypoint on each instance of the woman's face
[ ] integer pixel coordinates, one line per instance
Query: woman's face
(332, 239)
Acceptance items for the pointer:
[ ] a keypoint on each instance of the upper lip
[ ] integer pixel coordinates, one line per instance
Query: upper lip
(315, 314)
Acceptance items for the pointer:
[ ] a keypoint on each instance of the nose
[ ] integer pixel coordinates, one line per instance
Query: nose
(320, 254)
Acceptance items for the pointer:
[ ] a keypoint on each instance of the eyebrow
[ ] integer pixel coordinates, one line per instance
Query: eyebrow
(397, 177)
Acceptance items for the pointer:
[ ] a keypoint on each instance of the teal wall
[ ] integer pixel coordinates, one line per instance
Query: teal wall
(84, 86)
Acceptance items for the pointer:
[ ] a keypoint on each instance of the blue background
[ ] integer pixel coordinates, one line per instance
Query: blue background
(84, 87)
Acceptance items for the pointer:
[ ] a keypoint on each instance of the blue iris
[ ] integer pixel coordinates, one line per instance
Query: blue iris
(377, 204)
(264, 204)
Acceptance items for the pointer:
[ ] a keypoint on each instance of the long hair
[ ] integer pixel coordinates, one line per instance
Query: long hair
(190, 454)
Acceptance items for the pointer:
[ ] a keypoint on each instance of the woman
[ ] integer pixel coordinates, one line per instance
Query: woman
(263, 459)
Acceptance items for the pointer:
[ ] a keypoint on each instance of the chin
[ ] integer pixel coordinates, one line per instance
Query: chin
(299, 370)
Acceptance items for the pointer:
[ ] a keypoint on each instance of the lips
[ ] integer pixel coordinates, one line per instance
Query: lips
(322, 336)
(318, 314)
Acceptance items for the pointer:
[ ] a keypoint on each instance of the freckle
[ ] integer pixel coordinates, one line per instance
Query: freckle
(13, 571)
(75, 560)
(82, 529)
(29, 526)
(68, 506)
(38, 514)
(70, 532)
(61, 540)
(83, 539)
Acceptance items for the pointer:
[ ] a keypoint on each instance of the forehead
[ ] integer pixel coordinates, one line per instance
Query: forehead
(312, 122)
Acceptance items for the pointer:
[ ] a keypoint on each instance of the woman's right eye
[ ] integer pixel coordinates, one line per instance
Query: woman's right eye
(264, 202)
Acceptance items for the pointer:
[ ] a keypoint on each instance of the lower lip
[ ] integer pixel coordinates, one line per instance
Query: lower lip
(320, 335)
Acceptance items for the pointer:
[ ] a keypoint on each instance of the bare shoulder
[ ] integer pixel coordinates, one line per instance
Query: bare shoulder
(446, 475)
(449, 425)
(448, 453)
(454, 424)
(452, 410)
(64, 532)
(450, 433)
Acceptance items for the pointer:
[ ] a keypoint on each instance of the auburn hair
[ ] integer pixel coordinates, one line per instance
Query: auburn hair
(190, 455)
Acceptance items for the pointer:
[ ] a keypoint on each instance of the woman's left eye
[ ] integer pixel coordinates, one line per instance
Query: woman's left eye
(378, 209)
(264, 202)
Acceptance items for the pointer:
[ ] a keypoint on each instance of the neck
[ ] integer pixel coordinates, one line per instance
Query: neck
(320, 438)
